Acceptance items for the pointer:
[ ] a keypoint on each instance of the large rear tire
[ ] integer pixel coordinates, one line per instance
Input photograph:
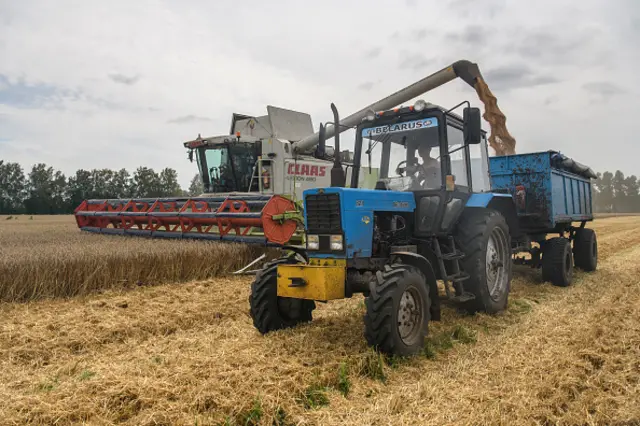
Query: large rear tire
(271, 312)
(483, 236)
(398, 310)
(557, 262)
(585, 249)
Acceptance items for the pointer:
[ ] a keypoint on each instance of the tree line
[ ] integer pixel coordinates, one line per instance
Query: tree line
(47, 191)
(615, 193)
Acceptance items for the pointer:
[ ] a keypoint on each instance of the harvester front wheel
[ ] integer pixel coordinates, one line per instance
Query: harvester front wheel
(557, 262)
(585, 249)
(271, 312)
(398, 310)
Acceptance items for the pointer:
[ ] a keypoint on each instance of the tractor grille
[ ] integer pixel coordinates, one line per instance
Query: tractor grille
(323, 214)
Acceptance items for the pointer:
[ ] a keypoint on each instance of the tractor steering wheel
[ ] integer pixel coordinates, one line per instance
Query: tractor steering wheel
(410, 169)
(400, 170)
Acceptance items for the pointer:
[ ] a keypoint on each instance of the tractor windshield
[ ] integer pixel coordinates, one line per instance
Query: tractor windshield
(227, 167)
(407, 153)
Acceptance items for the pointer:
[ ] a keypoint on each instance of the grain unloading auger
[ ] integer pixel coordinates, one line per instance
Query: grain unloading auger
(255, 176)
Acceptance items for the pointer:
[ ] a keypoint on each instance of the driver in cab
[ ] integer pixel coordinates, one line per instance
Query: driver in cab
(429, 175)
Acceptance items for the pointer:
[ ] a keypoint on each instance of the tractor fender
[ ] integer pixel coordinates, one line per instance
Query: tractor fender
(502, 203)
(507, 208)
(423, 264)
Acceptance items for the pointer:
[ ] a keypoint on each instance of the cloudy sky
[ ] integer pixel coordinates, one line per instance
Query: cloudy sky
(88, 84)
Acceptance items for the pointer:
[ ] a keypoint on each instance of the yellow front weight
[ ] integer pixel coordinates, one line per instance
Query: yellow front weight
(321, 279)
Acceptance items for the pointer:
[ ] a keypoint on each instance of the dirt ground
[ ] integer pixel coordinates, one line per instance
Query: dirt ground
(188, 354)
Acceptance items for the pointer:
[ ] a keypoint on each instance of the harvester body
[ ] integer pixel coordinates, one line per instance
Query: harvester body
(253, 184)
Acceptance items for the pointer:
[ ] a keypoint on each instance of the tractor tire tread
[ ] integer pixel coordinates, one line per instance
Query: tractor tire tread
(263, 300)
(471, 240)
(379, 304)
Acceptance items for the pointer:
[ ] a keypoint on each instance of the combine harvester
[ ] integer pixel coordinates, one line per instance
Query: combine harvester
(253, 181)
(254, 177)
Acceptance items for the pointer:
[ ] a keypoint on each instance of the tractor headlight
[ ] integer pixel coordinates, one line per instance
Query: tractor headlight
(419, 105)
(313, 242)
(336, 242)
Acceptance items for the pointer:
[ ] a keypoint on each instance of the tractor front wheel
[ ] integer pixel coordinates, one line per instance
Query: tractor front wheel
(397, 317)
(271, 312)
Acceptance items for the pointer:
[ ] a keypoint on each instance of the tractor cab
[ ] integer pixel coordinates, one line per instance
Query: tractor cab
(437, 155)
(422, 147)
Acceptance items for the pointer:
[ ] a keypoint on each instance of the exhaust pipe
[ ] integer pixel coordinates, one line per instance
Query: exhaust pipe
(337, 172)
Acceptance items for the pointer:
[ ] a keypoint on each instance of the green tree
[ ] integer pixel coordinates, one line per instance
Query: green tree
(196, 187)
(120, 186)
(631, 194)
(45, 191)
(604, 192)
(169, 182)
(79, 188)
(146, 183)
(12, 188)
(619, 192)
(102, 183)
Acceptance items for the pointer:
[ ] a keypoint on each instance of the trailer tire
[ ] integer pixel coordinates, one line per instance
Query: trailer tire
(399, 292)
(481, 232)
(557, 262)
(271, 312)
(585, 249)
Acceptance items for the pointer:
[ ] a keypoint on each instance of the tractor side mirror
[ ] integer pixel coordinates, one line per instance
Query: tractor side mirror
(472, 126)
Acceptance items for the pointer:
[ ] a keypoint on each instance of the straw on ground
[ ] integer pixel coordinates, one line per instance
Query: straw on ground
(189, 355)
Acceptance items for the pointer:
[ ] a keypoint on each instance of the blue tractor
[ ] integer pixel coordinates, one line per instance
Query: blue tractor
(432, 216)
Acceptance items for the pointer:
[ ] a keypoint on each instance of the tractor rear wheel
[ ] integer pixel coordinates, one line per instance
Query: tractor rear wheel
(483, 236)
(271, 312)
(585, 249)
(557, 261)
(398, 310)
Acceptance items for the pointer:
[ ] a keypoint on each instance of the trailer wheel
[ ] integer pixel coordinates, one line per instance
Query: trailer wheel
(557, 262)
(271, 312)
(483, 236)
(398, 310)
(585, 249)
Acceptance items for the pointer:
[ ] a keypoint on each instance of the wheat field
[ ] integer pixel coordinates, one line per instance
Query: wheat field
(48, 256)
(189, 355)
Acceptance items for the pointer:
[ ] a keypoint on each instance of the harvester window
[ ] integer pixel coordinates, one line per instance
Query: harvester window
(229, 167)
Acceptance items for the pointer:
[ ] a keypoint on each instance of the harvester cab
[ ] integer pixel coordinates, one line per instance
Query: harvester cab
(257, 156)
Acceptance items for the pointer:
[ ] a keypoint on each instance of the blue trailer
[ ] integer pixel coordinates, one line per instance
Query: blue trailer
(552, 195)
